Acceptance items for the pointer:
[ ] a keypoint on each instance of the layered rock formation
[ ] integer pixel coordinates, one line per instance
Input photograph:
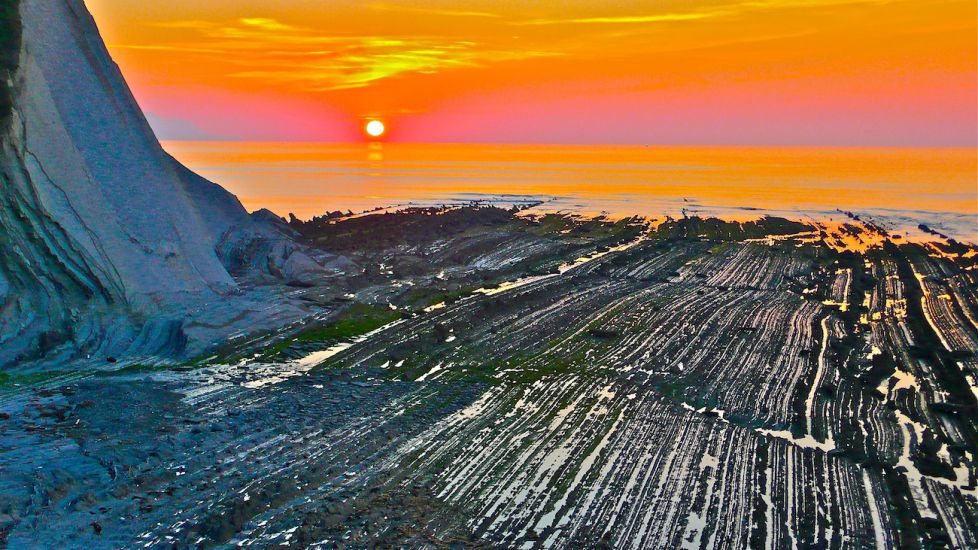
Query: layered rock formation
(107, 244)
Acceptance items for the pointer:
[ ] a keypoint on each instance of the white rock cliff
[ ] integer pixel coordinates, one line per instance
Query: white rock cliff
(109, 245)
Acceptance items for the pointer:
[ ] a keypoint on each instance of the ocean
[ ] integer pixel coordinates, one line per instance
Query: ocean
(898, 188)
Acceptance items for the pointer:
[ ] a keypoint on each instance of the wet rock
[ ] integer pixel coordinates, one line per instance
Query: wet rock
(442, 331)
(604, 334)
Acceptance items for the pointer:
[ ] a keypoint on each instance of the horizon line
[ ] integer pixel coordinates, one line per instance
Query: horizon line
(973, 146)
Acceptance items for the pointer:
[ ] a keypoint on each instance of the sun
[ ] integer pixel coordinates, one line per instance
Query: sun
(375, 128)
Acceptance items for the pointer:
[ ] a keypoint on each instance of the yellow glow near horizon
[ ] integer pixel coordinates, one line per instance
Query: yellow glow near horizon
(376, 128)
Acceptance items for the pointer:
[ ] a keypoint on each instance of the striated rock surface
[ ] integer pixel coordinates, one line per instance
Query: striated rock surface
(107, 244)
(702, 384)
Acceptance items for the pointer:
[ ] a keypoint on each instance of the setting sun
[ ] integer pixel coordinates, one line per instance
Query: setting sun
(375, 128)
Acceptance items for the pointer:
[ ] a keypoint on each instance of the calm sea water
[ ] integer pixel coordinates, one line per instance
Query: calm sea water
(897, 187)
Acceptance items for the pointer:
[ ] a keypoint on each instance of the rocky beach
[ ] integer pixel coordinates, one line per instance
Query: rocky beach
(176, 372)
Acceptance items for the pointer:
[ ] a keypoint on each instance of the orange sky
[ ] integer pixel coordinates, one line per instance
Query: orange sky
(839, 72)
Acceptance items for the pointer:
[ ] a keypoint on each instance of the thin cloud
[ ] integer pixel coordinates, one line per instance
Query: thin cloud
(191, 24)
(434, 11)
(166, 48)
(278, 52)
(627, 19)
(366, 60)
(768, 4)
(266, 24)
(717, 11)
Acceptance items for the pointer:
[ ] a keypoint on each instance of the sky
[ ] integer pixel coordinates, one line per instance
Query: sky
(667, 72)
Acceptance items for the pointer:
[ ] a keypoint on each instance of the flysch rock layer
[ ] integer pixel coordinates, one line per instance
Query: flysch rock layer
(107, 244)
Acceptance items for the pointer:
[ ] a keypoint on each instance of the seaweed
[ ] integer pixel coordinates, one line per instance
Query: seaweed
(717, 230)
(410, 226)
(358, 320)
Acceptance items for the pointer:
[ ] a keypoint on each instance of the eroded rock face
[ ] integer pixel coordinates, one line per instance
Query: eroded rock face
(106, 242)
